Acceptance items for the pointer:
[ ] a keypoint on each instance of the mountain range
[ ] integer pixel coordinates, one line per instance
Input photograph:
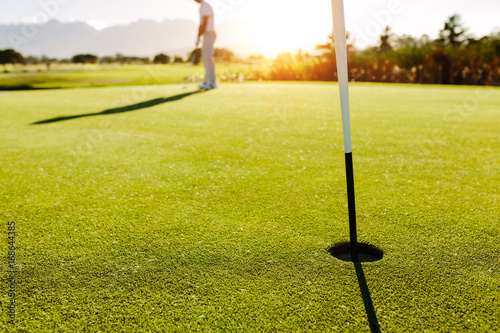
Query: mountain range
(143, 38)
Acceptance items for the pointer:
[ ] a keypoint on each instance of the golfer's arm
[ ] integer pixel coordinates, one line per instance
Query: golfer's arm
(203, 26)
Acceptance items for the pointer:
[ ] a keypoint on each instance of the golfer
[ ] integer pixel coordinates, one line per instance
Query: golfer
(207, 52)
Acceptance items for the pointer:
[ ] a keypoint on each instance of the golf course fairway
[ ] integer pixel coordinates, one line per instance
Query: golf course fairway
(153, 208)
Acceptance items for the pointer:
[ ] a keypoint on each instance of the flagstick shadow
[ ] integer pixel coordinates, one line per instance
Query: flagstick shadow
(123, 109)
(367, 299)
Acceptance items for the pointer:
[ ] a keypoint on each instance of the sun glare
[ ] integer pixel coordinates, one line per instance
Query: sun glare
(99, 25)
(272, 38)
(276, 27)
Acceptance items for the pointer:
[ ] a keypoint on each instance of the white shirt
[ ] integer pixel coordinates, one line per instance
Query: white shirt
(206, 10)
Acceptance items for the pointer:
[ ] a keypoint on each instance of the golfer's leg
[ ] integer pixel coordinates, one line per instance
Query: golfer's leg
(204, 59)
(208, 58)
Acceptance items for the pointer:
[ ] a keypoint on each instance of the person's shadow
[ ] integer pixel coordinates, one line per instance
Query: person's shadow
(128, 108)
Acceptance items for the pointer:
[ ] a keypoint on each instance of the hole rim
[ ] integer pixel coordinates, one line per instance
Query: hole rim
(366, 252)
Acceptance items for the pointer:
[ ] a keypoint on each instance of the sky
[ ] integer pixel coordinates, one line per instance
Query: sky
(274, 24)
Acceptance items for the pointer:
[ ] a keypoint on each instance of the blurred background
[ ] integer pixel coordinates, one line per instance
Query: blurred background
(445, 42)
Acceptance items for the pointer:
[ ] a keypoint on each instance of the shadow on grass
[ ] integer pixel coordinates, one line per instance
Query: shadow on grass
(367, 299)
(24, 88)
(123, 109)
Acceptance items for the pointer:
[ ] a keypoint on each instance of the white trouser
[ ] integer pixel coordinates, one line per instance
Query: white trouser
(207, 54)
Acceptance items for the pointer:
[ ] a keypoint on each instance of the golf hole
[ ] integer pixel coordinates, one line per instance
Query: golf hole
(366, 252)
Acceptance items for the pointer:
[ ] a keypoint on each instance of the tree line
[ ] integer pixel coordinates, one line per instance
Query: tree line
(10, 56)
(453, 58)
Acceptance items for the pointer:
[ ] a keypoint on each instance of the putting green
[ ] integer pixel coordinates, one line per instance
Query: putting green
(147, 208)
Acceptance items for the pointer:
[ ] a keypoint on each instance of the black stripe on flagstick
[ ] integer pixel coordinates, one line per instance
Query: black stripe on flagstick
(352, 207)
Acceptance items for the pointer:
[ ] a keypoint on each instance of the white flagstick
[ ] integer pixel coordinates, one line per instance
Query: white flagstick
(343, 78)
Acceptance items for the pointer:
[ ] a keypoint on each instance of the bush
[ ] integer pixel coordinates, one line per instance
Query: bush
(84, 59)
(10, 56)
(161, 59)
(223, 55)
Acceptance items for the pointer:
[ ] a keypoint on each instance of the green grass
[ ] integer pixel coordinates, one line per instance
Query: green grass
(84, 76)
(214, 212)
